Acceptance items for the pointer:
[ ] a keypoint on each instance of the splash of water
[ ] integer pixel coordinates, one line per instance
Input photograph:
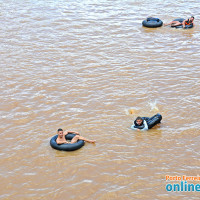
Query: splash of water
(153, 106)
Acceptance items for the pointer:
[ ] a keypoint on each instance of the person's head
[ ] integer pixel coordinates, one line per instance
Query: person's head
(60, 132)
(192, 18)
(139, 121)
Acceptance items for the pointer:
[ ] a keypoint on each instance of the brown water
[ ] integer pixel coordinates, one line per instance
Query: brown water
(90, 66)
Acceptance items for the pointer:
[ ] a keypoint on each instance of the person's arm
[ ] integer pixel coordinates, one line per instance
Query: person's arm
(73, 132)
(145, 126)
(183, 23)
(65, 133)
(133, 127)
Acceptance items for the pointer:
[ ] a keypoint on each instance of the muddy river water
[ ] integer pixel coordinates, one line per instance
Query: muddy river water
(90, 66)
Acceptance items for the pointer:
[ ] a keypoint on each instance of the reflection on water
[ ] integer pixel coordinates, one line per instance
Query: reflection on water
(90, 66)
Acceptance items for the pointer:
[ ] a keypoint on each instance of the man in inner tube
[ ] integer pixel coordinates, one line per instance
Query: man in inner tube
(189, 21)
(61, 137)
(139, 124)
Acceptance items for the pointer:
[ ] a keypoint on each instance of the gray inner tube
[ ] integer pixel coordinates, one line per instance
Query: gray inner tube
(66, 147)
(152, 22)
(181, 26)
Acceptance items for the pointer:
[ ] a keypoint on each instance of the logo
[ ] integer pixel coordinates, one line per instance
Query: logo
(182, 183)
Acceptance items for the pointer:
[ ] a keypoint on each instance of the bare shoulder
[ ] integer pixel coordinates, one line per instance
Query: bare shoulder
(66, 132)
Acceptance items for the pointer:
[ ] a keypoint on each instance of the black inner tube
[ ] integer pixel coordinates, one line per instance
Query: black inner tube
(66, 147)
(152, 22)
(151, 122)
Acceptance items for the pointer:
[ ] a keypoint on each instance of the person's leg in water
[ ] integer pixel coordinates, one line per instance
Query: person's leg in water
(78, 137)
(174, 23)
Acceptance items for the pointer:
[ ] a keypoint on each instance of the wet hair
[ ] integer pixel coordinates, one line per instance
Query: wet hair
(139, 118)
(60, 129)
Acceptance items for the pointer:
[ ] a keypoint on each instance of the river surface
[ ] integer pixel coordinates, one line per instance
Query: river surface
(90, 66)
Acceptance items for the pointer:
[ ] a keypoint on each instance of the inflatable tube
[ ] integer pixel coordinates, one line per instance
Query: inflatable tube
(152, 22)
(66, 147)
(181, 26)
(151, 122)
